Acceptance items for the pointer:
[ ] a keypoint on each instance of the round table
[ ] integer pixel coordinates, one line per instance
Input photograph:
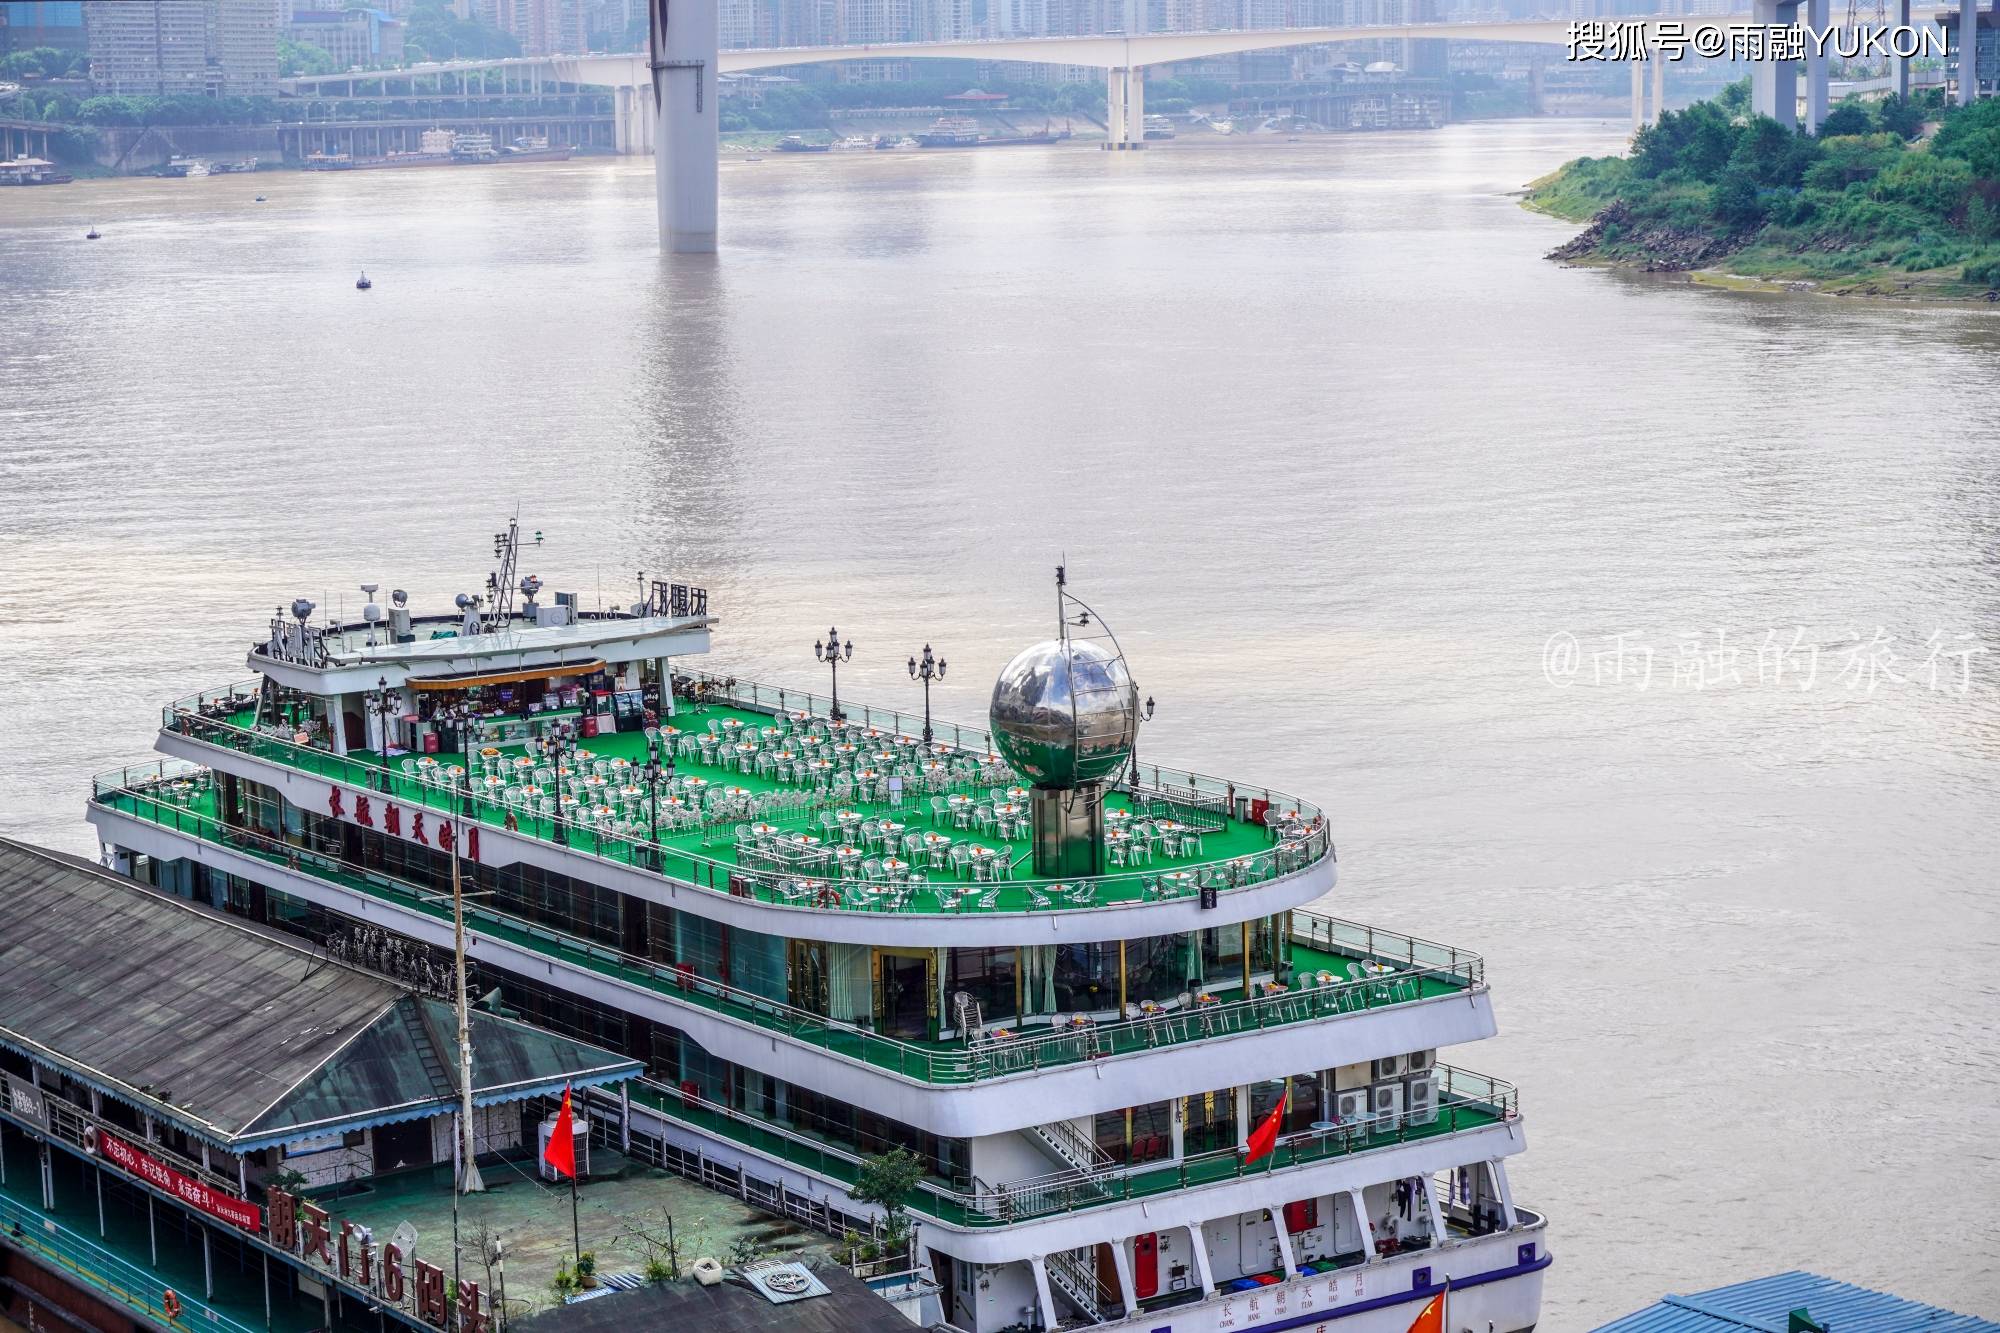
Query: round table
(812, 740)
(495, 784)
(866, 774)
(1117, 815)
(980, 852)
(694, 783)
(763, 830)
(884, 756)
(772, 733)
(957, 799)
(846, 853)
(891, 828)
(1116, 835)
(936, 840)
(895, 865)
(785, 756)
(805, 839)
(847, 816)
(489, 752)
(933, 766)
(819, 765)
(746, 747)
(595, 781)
(428, 762)
(630, 792)
(1007, 808)
(907, 741)
(1178, 878)
(731, 724)
(1022, 794)
(1324, 1126)
(847, 747)
(737, 793)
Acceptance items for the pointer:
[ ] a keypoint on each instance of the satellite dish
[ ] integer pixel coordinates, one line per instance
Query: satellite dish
(462, 601)
(399, 597)
(302, 608)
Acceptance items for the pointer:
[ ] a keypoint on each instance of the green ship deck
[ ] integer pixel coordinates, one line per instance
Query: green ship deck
(638, 830)
(1336, 967)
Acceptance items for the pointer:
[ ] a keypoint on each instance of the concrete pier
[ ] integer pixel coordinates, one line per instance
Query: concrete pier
(1774, 84)
(683, 54)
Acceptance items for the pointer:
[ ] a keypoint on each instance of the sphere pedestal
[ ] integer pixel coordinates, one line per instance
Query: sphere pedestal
(1068, 831)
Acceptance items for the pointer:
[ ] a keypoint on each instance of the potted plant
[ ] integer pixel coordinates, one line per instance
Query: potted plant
(586, 1269)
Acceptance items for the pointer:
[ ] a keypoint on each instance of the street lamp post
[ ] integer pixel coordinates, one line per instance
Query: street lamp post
(1140, 713)
(833, 652)
(928, 670)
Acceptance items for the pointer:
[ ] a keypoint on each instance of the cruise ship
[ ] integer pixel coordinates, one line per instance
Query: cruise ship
(1153, 1085)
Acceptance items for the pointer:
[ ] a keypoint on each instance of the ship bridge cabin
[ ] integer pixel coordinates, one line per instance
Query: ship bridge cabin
(1077, 986)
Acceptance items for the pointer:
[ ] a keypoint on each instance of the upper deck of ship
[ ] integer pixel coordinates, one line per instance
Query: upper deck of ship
(770, 797)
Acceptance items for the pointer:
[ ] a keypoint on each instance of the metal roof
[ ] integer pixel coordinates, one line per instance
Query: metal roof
(241, 1037)
(1763, 1304)
(731, 1306)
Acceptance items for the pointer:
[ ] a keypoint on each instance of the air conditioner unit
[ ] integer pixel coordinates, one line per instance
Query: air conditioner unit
(1388, 1067)
(1420, 1099)
(1386, 1105)
(1350, 1106)
(1420, 1062)
(581, 1143)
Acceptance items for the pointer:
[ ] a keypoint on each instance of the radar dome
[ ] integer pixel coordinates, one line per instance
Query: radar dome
(1063, 713)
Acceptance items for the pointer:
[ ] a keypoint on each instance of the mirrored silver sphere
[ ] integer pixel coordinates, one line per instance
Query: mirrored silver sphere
(1063, 715)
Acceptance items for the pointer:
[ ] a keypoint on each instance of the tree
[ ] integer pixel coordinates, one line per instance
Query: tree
(295, 58)
(1773, 155)
(1937, 185)
(1901, 117)
(1852, 160)
(1734, 202)
(1849, 118)
(886, 1181)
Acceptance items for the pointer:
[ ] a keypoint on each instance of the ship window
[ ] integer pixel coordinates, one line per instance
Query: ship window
(987, 975)
(1086, 977)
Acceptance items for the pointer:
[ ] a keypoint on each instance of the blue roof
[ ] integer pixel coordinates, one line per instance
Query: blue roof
(1762, 1304)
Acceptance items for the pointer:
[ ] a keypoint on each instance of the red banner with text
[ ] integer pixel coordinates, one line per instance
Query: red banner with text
(187, 1189)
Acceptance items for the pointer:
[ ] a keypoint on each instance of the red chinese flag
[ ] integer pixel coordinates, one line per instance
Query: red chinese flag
(561, 1152)
(1265, 1137)
(1432, 1319)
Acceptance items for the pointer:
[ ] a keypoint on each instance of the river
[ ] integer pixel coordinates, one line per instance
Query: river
(1339, 455)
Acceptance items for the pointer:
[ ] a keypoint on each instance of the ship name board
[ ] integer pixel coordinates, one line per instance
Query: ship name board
(351, 1257)
(412, 823)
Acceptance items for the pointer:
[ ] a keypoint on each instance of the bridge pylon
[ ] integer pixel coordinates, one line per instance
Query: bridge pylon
(684, 56)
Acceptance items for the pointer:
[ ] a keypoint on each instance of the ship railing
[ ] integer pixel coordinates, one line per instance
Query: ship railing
(1374, 944)
(1465, 1101)
(149, 791)
(1198, 790)
(1476, 1102)
(776, 887)
(108, 1274)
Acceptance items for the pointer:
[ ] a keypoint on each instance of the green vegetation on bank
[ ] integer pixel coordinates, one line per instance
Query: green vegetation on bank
(1868, 205)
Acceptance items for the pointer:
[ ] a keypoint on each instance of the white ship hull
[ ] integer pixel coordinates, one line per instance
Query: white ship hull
(1505, 1294)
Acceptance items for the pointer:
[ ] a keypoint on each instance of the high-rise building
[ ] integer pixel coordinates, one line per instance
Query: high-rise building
(542, 27)
(213, 48)
(27, 24)
(364, 38)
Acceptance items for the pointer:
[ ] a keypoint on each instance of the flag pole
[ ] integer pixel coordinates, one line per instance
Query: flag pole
(1445, 1314)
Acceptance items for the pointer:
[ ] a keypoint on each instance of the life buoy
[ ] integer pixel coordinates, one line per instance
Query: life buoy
(171, 1304)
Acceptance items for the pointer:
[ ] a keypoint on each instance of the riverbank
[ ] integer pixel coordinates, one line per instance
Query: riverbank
(1896, 201)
